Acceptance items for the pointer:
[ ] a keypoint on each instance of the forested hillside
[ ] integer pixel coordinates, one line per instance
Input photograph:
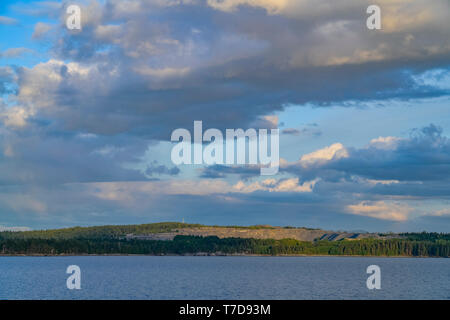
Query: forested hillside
(100, 232)
(215, 245)
(137, 239)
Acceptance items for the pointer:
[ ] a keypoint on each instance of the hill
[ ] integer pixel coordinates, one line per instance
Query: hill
(168, 231)
(194, 239)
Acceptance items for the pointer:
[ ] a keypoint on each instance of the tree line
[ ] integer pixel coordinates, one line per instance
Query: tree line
(436, 247)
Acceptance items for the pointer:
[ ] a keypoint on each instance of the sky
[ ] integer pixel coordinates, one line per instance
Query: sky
(86, 115)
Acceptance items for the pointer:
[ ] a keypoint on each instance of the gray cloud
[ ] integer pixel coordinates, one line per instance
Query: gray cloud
(40, 29)
(221, 171)
(417, 166)
(138, 71)
(303, 131)
(45, 159)
(425, 155)
(159, 169)
(14, 52)
(151, 67)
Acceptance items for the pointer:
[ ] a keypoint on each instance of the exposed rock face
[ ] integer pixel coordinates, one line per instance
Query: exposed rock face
(263, 233)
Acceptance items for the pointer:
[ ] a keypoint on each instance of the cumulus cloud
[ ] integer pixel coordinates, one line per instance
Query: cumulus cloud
(14, 117)
(396, 15)
(137, 69)
(424, 156)
(387, 169)
(417, 166)
(387, 143)
(335, 151)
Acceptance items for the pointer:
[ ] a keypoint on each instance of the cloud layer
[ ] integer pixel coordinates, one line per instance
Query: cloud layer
(79, 130)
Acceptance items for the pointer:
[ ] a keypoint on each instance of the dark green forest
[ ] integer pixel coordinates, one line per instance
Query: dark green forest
(193, 244)
(426, 236)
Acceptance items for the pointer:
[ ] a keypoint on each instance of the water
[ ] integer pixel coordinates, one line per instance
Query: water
(147, 277)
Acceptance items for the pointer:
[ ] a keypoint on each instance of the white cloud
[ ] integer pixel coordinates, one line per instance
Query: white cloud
(272, 6)
(385, 143)
(127, 191)
(334, 151)
(381, 210)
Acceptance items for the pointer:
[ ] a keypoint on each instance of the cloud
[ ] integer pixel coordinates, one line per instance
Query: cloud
(273, 185)
(335, 151)
(221, 171)
(380, 210)
(440, 213)
(396, 15)
(14, 117)
(386, 143)
(424, 156)
(138, 69)
(386, 169)
(14, 52)
(127, 190)
(56, 158)
(40, 29)
(272, 6)
(23, 203)
(7, 20)
(130, 191)
(306, 132)
(75, 126)
(292, 131)
(158, 169)
(412, 167)
(14, 229)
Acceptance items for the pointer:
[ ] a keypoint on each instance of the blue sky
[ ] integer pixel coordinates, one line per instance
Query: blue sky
(364, 115)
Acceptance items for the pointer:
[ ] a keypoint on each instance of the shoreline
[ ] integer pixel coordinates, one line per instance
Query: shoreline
(209, 255)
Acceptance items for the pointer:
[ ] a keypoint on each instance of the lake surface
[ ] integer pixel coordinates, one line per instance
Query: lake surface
(149, 277)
